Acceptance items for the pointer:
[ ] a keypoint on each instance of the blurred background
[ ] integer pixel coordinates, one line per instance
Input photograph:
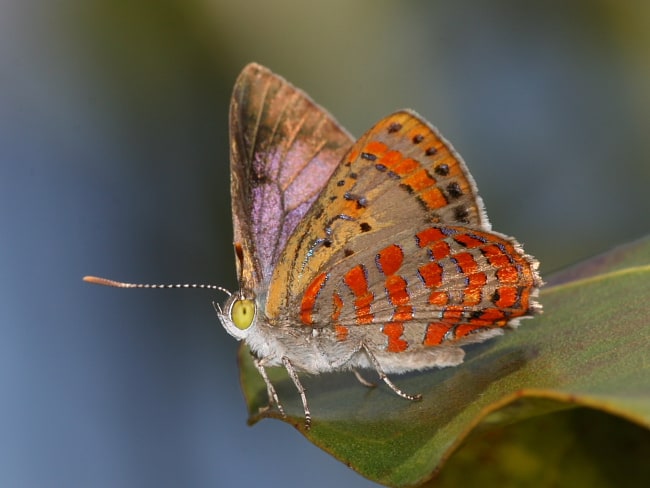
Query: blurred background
(114, 161)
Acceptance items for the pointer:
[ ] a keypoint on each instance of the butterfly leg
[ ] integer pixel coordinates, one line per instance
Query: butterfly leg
(301, 390)
(362, 380)
(386, 379)
(270, 390)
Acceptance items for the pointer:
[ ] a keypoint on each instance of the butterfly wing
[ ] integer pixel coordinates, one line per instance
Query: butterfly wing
(284, 148)
(399, 241)
(400, 174)
(423, 287)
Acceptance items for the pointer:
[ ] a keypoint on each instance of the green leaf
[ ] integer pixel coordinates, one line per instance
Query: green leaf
(589, 350)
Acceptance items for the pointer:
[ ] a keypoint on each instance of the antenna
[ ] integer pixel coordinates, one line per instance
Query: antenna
(120, 284)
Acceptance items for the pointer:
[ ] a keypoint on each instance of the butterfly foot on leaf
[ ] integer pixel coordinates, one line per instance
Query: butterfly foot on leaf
(382, 375)
(270, 389)
(362, 380)
(416, 398)
(412, 397)
(293, 374)
(270, 406)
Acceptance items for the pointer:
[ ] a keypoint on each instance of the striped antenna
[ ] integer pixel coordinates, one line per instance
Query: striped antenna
(119, 284)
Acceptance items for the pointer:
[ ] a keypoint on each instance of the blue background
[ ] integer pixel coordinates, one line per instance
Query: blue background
(114, 161)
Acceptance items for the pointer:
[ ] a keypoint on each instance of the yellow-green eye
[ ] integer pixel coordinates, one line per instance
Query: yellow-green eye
(242, 313)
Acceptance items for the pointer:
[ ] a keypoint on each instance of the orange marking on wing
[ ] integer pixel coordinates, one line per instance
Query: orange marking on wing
(364, 301)
(508, 275)
(405, 166)
(362, 308)
(420, 180)
(495, 256)
(468, 241)
(492, 315)
(403, 313)
(338, 306)
(507, 296)
(439, 298)
(390, 259)
(375, 147)
(239, 251)
(394, 331)
(428, 236)
(479, 322)
(342, 332)
(358, 284)
(352, 209)
(477, 279)
(453, 314)
(433, 198)
(353, 155)
(435, 333)
(464, 329)
(474, 291)
(466, 262)
(396, 289)
(431, 274)
(440, 250)
(391, 158)
(309, 298)
(356, 280)
(364, 317)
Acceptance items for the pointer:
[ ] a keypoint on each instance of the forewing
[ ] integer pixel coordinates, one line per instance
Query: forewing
(284, 148)
(400, 174)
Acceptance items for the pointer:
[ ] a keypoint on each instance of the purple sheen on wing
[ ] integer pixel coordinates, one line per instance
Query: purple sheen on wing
(303, 143)
(307, 182)
(289, 183)
(266, 216)
(291, 221)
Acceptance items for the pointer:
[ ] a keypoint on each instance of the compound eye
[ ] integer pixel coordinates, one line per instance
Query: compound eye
(242, 313)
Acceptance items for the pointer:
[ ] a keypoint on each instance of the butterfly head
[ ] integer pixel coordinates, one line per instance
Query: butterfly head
(238, 315)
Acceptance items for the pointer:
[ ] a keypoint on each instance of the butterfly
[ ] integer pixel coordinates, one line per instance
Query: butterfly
(375, 254)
